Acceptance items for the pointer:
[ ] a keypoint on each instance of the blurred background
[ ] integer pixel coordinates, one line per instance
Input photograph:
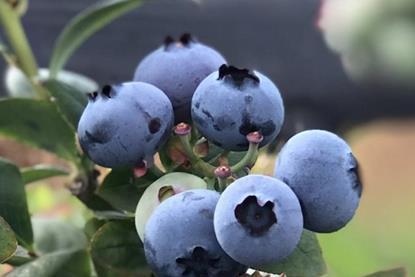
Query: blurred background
(340, 65)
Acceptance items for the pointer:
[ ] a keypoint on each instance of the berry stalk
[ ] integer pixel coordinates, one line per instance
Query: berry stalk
(183, 130)
(249, 159)
(16, 35)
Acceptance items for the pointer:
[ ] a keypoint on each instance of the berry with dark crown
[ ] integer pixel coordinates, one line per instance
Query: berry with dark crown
(231, 103)
(124, 125)
(179, 238)
(177, 68)
(261, 214)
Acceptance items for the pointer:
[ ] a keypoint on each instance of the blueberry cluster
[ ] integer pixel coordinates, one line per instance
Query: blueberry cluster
(219, 220)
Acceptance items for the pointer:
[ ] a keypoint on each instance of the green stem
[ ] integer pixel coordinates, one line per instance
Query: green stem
(222, 183)
(197, 163)
(248, 159)
(16, 36)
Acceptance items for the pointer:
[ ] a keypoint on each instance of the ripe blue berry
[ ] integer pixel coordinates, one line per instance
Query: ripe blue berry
(321, 169)
(177, 68)
(258, 220)
(179, 238)
(231, 103)
(125, 124)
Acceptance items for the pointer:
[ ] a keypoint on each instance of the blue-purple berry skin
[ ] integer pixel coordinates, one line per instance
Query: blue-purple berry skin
(320, 168)
(258, 220)
(182, 226)
(177, 68)
(225, 110)
(125, 124)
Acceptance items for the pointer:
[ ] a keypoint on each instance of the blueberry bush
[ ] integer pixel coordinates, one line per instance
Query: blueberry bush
(180, 139)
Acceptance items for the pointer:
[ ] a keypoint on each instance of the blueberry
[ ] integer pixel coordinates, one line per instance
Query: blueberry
(125, 124)
(231, 103)
(179, 238)
(177, 68)
(165, 186)
(321, 169)
(258, 220)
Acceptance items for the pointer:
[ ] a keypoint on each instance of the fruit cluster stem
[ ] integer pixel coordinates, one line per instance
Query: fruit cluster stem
(197, 163)
(10, 20)
(249, 158)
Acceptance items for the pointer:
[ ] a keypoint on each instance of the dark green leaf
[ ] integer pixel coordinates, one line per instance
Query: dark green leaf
(122, 190)
(306, 260)
(92, 226)
(84, 25)
(117, 251)
(70, 101)
(20, 257)
(8, 242)
(396, 272)
(40, 172)
(13, 205)
(66, 263)
(53, 235)
(39, 124)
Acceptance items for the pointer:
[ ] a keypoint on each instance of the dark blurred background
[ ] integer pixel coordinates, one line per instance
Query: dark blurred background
(279, 38)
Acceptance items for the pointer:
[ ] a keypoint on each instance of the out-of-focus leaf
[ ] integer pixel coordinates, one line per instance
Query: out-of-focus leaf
(8, 242)
(20, 257)
(117, 251)
(306, 260)
(70, 101)
(85, 24)
(18, 85)
(396, 272)
(13, 205)
(54, 235)
(39, 124)
(122, 190)
(40, 172)
(65, 263)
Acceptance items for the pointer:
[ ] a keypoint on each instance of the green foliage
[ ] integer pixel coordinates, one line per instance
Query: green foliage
(40, 172)
(39, 124)
(52, 235)
(84, 25)
(117, 251)
(13, 205)
(70, 101)
(8, 242)
(64, 263)
(92, 226)
(122, 190)
(20, 257)
(306, 260)
(396, 272)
